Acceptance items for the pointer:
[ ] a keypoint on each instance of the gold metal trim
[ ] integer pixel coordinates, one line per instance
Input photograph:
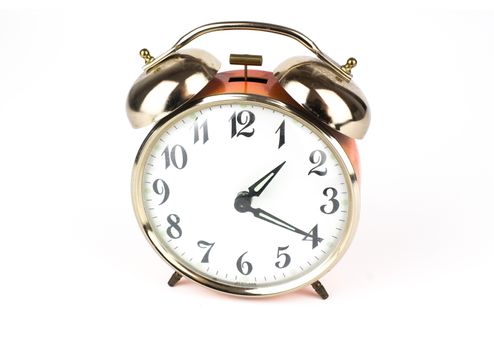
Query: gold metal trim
(246, 60)
(315, 126)
(349, 65)
(256, 26)
(146, 55)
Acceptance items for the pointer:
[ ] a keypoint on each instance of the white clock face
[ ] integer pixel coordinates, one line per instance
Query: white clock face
(244, 195)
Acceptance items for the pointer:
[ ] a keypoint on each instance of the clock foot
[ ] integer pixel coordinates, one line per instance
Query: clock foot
(319, 288)
(174, 279)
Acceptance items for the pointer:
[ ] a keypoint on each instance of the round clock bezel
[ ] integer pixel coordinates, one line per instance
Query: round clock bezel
(308, 121)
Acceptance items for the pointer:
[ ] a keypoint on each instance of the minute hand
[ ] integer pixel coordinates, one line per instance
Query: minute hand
(264, 215)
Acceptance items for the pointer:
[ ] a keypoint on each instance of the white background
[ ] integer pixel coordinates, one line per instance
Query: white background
(75, 271)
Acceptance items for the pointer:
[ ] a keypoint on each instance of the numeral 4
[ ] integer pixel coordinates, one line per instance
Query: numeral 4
(314, 237)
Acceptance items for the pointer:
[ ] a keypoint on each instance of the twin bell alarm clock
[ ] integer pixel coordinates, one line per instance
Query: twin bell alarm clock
(248, 181)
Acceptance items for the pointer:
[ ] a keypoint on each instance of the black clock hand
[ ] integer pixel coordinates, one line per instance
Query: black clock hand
(242, 204)
(257, 188)
(264, 215)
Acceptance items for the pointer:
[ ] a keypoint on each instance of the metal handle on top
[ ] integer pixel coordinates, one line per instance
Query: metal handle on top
(257, 26)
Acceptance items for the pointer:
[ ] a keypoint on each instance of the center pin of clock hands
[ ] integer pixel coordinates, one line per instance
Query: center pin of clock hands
(243, 203)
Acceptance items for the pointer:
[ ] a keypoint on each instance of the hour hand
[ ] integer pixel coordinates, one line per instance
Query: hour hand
(260, 185)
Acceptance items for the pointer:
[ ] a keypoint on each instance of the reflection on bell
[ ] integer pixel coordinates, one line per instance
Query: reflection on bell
(170, 84)
(315, 86)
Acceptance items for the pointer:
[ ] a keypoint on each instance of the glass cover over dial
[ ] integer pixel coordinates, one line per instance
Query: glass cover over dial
(244, 195)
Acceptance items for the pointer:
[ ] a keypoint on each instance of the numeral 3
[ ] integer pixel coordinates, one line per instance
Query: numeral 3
(334, 202)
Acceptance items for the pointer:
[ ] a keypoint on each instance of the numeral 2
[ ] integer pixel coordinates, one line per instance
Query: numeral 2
(318, 157)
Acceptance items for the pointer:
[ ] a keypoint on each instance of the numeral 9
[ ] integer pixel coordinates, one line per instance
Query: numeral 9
(161, 188)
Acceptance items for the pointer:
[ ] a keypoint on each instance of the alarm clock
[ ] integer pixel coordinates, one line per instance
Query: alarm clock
(248, 181)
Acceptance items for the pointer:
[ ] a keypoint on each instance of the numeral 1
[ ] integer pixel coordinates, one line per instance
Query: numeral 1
(281, 129)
